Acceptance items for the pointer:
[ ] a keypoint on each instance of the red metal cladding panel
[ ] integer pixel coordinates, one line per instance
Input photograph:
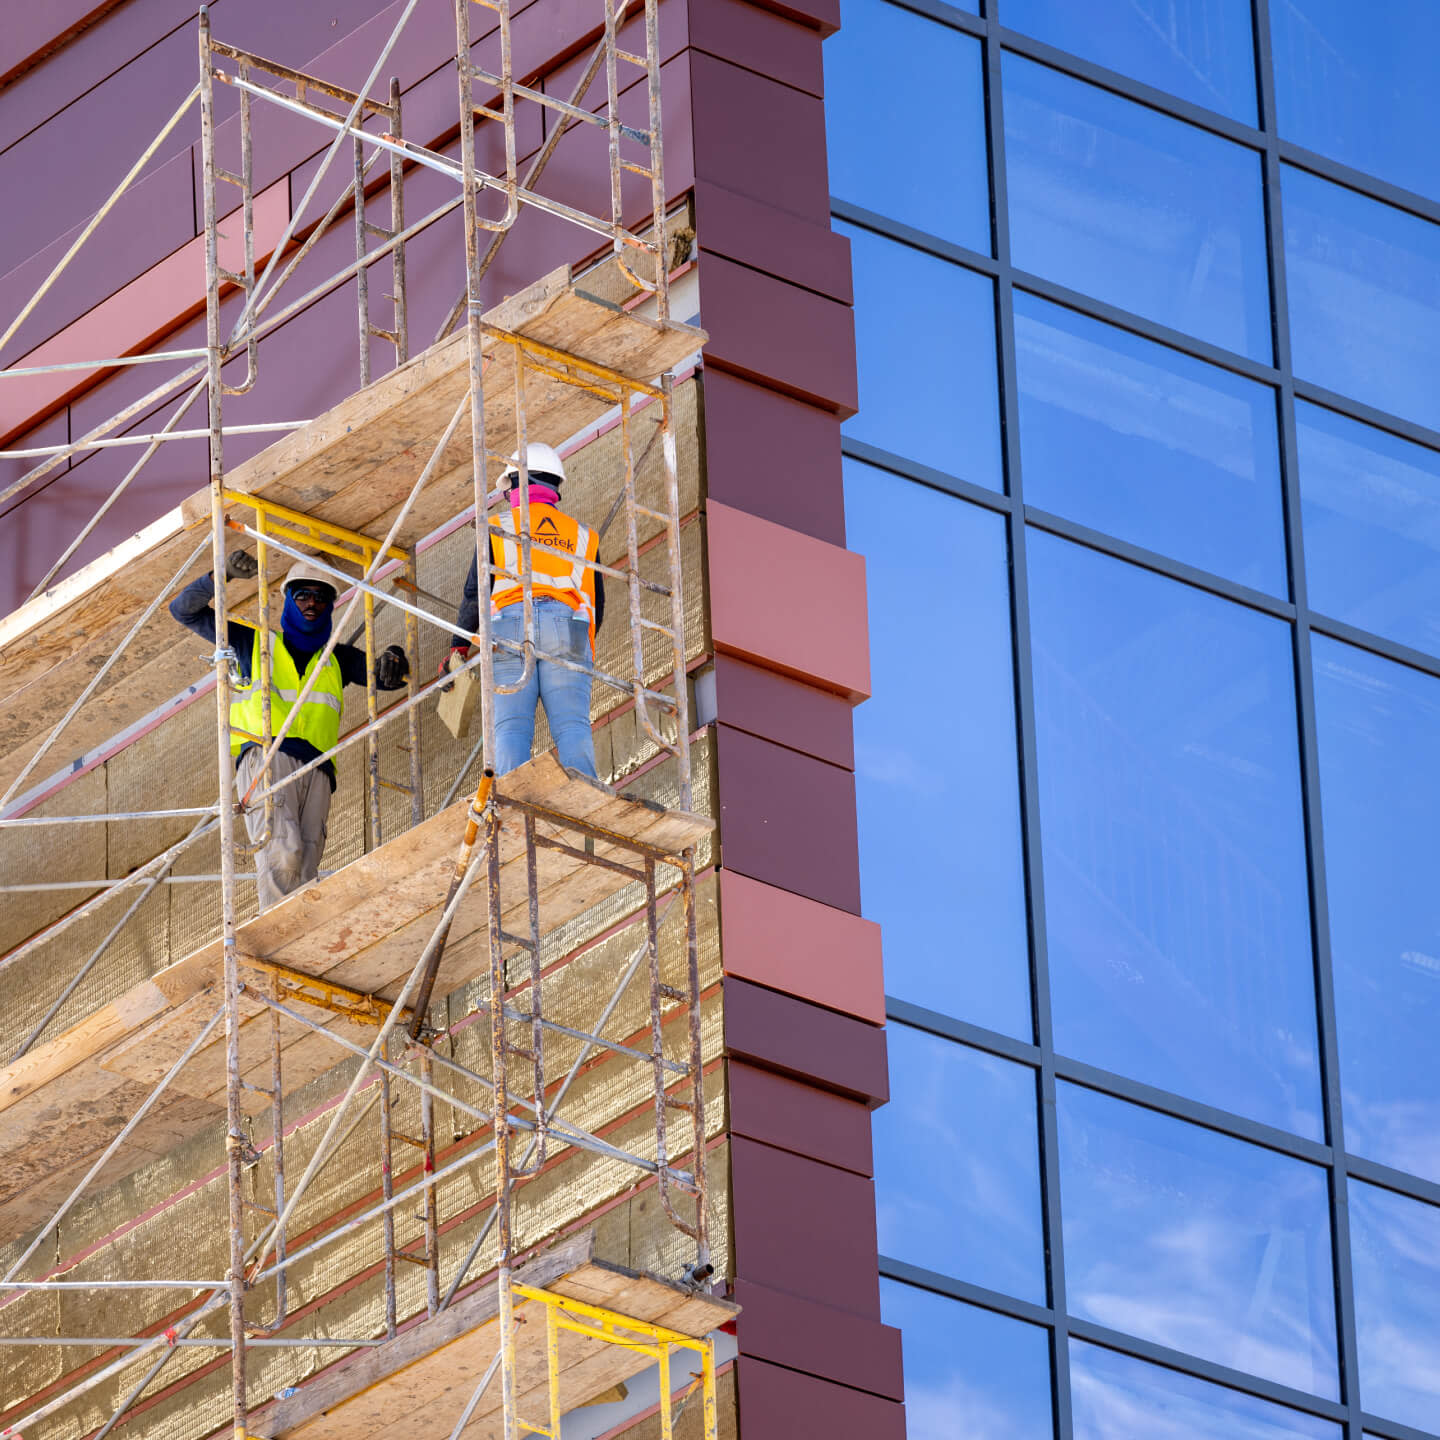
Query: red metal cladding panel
(791, 1115)
(775, 938)
(779, 334)
(805, 1228)
(802, 252)
(773, 455)
(781, 1404)
(788, 819)
(759, 137)
(818, 1339)
(779, 1032)
(786, 711)
(778, 46)
(787, 601)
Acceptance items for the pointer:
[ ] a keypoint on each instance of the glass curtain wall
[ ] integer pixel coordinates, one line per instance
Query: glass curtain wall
(1148, 324)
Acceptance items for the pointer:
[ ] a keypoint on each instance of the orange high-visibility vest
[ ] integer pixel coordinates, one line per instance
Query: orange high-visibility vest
(559, 547)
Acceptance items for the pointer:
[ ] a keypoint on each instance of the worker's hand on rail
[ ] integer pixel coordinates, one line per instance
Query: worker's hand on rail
(391, 668)
(241, 565)
(457, 655)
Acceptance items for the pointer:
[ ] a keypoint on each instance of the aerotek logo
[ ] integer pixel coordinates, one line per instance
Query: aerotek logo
(547, 533)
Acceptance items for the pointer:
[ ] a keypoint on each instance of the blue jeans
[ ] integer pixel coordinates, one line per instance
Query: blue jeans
(565, 693)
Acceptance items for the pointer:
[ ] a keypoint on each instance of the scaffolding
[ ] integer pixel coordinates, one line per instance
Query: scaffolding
(491, 876)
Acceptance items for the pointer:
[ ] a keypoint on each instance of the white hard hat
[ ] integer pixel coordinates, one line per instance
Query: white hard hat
(540, 460)
(302, 570)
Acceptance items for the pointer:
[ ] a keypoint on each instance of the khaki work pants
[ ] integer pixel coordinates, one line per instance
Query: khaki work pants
(291, 858)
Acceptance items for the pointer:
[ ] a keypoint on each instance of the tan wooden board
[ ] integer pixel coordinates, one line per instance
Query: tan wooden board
(354, 466)
(363, 927)
(433, 1368)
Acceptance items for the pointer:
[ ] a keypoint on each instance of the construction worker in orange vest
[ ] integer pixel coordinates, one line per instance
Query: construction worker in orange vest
(569, 602)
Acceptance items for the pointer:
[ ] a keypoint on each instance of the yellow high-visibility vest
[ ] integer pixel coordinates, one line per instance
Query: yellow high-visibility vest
(319, 719)
(559, 547)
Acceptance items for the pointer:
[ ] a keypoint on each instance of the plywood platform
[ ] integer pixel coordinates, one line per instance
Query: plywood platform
(363, 928)
(421, 1380)
(353, 466)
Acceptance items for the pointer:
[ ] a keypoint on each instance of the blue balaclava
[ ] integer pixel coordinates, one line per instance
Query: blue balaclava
(300, 633)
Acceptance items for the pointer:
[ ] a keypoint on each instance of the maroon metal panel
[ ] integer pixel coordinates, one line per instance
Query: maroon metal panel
(781, 1404)
(773, 455)
(805, 1228)
(773, 45)
(785, 711)
(788, 819)
(33, 31)
(824, 15)
(790, 1115)
(818, 1339)
(780, 334)
(759, 137)
(753, 233)
(778, 1032)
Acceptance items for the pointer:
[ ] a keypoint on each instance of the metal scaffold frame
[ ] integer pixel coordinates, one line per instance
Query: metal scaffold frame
(525, 1103)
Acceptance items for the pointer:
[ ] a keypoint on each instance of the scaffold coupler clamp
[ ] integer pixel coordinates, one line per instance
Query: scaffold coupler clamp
(232, 666)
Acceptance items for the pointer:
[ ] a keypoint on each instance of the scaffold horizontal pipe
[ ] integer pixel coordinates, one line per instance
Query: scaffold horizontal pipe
(107, 817)
(115, 442)
(284, 72)
(672, 1065)
(153, 358)
(110, 1285)
(41, 886)
(110, 1342)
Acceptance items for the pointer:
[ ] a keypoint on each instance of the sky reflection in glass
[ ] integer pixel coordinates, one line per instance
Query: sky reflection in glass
(1364, 306)
(1378, 725)
(949, 770)
(1135, 208)
(1197, 1241)
(970, 1368)
(1176, 898)
(894, 79)
(1138, 441)
(946, 412)
(1395, 1254)
(1116, 1397)
(1371, 515)
(1201, 50)
(957, 1170)
(1356, 82)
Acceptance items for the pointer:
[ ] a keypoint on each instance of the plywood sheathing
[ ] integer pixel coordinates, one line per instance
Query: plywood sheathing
(353, 465)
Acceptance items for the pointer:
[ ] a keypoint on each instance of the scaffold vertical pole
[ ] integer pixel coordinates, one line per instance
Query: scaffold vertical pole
(401, 313)
(234, 1135)
(432, 1200)
(387, 1189)
(412, 687)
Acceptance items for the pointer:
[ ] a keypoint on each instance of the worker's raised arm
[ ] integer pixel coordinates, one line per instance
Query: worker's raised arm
(391, 666)
(193, 607)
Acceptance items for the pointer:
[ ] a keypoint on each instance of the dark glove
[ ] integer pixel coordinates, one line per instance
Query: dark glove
(241, 565)
(391, 668)
(457, 654)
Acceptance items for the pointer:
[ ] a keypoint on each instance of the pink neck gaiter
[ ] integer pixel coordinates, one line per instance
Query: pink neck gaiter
(539, 495)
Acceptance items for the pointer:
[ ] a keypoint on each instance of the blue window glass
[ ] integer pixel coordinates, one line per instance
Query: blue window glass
(1201, 50)
(905, 119)
(968, 1368)
(1176, 895)
(1357, 83)
(947, 769)
(940, 407)
(1139, 441)
(1364, 306)
(1133, 207)
(1116, 1397)
(1378, 726)
(1196, 1241)
(1395, 1257)
(957, 1171)
(1371, 508)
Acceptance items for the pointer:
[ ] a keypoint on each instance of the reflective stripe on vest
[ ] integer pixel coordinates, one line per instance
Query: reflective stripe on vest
(559, 547)
(318, 722)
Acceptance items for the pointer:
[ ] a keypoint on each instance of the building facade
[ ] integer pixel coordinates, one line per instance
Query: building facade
(1145, 472)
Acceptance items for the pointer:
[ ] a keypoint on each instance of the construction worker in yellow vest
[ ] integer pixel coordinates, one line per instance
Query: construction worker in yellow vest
(569, 598)
(290, 857)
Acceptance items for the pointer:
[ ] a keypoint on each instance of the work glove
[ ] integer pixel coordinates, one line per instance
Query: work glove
(241, 565)
(458, 654)
(391, 668)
